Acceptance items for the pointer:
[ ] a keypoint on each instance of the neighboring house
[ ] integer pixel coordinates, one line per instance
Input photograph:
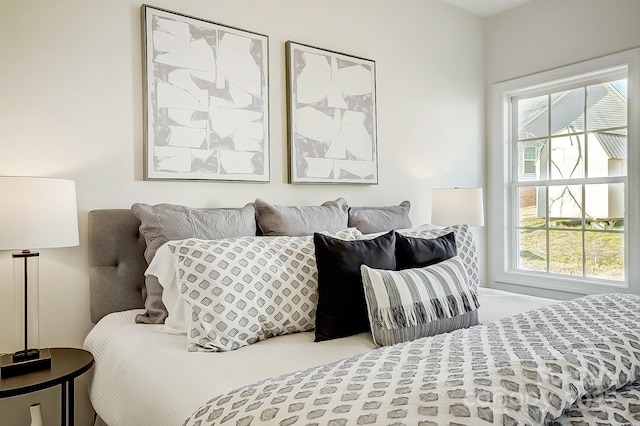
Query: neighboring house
(601, 151)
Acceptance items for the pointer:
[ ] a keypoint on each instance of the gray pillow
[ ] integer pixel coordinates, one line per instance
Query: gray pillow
(274, 220)
(369, 220)
(167, 222)
(419, 302)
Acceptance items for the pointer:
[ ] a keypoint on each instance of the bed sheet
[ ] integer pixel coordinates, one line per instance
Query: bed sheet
(144, 376)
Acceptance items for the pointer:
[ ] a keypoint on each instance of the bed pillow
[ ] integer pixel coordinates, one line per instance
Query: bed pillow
(165, 222)
(275, 220)
(164, 266)
(242, 290)
(342, 309)
(413, 303)
(380, 219)
(465, 245)
(418, 252)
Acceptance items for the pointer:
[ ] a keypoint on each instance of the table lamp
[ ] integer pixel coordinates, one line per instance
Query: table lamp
(35, 213)
(452, 206)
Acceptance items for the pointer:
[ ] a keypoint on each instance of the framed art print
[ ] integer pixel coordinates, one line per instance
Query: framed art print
(331, 100)
(206, 99)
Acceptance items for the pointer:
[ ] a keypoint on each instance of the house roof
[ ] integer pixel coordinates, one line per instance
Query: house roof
(606, 109)
(614, 145)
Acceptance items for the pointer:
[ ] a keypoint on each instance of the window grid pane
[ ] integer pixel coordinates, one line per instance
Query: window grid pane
(566, 253)
(531, 207)
(567, 111)
(604, 254)
(607, 153)
(532, 252)
(532, 163)
(567, 156)
(533, 117)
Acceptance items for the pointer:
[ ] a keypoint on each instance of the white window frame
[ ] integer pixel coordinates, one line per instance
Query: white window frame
(502, 241)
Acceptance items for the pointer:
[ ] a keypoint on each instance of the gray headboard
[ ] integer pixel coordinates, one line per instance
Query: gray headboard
(116, 262)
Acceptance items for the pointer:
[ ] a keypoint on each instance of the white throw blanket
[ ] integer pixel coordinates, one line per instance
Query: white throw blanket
(523, 370)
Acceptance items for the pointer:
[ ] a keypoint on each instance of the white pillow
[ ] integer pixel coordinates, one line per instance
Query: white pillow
(164, 267)
(404, 231)
(465, 245)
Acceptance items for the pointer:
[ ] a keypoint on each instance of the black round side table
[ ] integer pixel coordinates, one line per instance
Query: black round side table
(66, 365)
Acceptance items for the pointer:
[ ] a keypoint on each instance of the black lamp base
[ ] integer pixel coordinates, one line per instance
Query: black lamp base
(23, 362)
(26, 355)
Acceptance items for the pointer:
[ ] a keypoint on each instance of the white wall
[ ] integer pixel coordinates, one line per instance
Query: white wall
(546, 34)
(71, 107)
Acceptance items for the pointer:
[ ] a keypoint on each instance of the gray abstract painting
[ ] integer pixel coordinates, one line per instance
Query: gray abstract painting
(331, 116)
(206, 100)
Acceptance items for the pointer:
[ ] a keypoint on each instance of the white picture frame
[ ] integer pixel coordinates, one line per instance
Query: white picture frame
(331, 105)
(206, 100)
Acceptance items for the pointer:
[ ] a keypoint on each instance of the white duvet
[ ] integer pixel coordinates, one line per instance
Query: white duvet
(147, 377)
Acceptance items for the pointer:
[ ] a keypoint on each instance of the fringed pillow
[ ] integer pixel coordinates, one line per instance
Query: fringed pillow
(413, 303)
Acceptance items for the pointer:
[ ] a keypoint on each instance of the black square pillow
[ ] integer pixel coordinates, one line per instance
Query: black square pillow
(419, 252)
(342, 310)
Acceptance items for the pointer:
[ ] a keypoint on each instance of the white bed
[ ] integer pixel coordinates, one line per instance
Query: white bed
(138, 368)
(570, 360)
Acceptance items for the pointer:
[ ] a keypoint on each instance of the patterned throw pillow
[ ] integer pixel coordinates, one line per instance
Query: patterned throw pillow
(465, 244)
(413, 303)
(242, 290)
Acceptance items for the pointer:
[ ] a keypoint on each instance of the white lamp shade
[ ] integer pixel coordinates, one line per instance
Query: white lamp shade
(452, 206)
(37, 213)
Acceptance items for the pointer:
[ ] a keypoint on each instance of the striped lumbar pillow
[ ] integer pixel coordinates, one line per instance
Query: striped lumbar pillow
(413, 303)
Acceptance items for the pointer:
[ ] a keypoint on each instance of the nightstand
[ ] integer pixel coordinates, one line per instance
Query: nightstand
(66, 365)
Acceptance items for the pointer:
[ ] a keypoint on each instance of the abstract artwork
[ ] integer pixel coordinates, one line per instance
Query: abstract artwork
(331, 101)
(206, 99)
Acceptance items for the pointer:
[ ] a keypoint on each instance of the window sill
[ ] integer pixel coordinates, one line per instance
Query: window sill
(561, 283)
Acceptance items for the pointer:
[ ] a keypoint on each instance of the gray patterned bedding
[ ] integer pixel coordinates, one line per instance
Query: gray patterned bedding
(573, 363)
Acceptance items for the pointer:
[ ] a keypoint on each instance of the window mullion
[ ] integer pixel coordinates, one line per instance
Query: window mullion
(546, 192)
(584, 235)
(586, 175)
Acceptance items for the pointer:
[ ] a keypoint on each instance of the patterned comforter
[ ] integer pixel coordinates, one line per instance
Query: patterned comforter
(573, 363)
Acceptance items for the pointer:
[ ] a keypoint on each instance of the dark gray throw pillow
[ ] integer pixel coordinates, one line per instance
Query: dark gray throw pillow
(412, 252)
(342, 309)
(370, 220)
(167, 222)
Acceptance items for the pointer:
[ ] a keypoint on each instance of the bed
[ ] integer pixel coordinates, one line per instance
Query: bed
(498, 371)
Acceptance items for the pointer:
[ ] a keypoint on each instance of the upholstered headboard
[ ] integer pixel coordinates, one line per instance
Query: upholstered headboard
(116, 247)
(116, 262)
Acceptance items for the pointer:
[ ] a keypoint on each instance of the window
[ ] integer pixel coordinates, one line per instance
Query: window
(566, 144)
